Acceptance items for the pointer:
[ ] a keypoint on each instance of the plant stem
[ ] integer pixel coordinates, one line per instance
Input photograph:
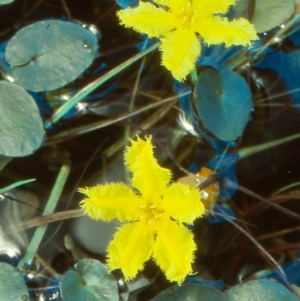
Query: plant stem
(194, 76)
(81, 94)
(14, 185)
(27, 260)
(247, 151)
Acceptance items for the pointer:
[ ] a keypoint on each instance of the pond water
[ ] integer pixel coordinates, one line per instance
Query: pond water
(237, 113)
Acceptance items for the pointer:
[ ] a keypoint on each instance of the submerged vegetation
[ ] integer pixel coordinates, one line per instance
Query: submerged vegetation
(201, 100)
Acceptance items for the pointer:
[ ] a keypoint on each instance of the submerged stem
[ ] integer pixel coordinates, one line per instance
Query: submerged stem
(81, 94)
(248, 151)
(15, 185)
(260, 247)
(270, 203)
(50, 206)
(264, 251)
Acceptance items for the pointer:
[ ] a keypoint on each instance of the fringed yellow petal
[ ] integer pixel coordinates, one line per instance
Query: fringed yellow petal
(130, 248)
(208, 8)
(111, 201)
(148, 177)
(174, 251)
(182, 202)
(180, 50)
(166, 3)
(237, 32)
(176, 23)
(147, 18)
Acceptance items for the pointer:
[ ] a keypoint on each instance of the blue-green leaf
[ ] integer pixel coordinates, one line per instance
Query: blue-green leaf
(21, 127)
(267, 14)
(12, 285)
(2, 2)
(91, 281)
(262, 289)
(50, 54)
(223, 103)
(190, 292)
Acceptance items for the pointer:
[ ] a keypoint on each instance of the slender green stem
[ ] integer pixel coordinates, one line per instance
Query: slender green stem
(81, 94)
(16, 184)
(64, 135)
(194, 76)
(247, 151)
(27, 260)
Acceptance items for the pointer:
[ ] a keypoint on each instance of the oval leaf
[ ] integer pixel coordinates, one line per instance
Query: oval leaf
(90, 282)
(2, 2)
(187, 292)
(267, 14)
(223, 103)
(49, 54)
(21, 127)
(127, 3)
(260, 290)
(12, 285)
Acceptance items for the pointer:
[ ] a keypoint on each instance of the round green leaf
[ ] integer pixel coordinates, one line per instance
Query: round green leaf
(223, 103)
(12, 285)
(49, 54)
(21, 127)
(2, 2)
(190, 292)
(267, 13)
(262, 289)
(90, 282)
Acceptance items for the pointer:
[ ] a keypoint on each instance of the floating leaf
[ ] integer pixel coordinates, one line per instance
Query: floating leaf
(216, 284)
(2, 2)
(223, 103)
(292, 67)
(291, 270)
(21, 127)
(127, 3)
(13, 213)
(267, 14)
(190, 292)
(49, 54)
(90, 282)
(260, 290)
(12, 285)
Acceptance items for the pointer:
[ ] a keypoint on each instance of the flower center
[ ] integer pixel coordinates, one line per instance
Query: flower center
(150, 213)
(187, 15)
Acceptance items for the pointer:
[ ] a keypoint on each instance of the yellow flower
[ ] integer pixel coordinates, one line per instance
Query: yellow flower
(154, 214)
(180, 23)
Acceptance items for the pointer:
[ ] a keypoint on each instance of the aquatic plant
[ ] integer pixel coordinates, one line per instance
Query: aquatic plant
(76, 93)
(154, 216)
(178, 23)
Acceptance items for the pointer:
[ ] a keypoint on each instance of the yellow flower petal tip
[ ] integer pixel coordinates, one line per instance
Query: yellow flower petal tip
(153, 216)
(179, 24)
